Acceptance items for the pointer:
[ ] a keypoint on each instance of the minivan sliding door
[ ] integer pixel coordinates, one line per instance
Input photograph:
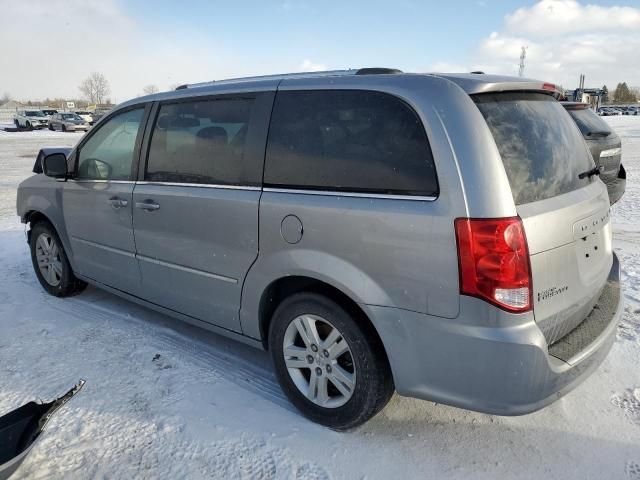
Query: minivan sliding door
(196, 203)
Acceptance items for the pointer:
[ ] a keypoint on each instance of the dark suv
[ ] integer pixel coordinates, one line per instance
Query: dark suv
(605, 147)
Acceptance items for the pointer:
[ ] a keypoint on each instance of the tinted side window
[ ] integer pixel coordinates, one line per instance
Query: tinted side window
(108, 153)
(348, 140)
(200, 141)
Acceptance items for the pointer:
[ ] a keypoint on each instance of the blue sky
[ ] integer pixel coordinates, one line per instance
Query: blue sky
(407, 33)
(136, 43)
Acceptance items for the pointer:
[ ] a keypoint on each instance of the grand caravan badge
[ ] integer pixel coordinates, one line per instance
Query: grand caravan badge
(551, 292)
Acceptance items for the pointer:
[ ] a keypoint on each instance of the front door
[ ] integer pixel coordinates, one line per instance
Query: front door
(195, 209)
(97, 202)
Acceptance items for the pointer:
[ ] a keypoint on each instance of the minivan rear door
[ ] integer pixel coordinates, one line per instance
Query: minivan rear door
(564, 206)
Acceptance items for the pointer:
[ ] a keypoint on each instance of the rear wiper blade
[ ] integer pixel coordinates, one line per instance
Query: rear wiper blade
(589, 173)
(599, 133)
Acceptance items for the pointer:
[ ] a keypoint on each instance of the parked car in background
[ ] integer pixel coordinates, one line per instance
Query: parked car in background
(86, 116)
(98, 114)
(632, 110)
(32, 119)
(605, 147)
(313, 215)
(49, 112)
(68, 122)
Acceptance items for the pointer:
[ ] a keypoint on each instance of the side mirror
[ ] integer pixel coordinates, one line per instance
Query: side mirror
(55, 165)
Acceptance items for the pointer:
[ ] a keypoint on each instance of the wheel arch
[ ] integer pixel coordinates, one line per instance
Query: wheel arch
(284, 287)
(34, 215)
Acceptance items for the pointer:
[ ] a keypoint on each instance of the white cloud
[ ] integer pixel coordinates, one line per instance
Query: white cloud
(50, 47)
(560, 17)
(564, 39)
(309, 66)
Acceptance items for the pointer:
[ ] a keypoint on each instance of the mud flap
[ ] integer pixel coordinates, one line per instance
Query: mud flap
(21, 428)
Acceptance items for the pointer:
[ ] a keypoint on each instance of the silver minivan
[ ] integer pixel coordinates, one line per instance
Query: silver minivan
(443, 236)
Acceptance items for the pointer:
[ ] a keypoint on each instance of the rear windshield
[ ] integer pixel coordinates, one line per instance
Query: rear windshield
(590, 124)
(542, 150)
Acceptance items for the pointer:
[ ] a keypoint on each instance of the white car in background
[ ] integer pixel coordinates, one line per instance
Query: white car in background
(30, 119)
(86, 116)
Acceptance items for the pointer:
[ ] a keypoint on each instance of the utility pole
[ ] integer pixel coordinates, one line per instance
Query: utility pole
(523, 55)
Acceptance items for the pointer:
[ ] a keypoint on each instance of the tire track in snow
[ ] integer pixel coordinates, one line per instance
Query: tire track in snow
(227, 365)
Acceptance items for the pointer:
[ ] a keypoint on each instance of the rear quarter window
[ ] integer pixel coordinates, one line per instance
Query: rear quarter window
(348, 140)
(542, 149)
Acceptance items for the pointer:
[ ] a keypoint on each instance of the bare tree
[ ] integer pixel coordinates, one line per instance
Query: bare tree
(150, 89)
(5, 98)
(95, 88)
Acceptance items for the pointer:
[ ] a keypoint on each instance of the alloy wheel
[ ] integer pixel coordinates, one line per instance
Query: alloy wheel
(319, 361)
(48, 257)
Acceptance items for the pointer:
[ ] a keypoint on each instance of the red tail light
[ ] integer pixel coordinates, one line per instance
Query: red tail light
(493, 259)
(549, 86)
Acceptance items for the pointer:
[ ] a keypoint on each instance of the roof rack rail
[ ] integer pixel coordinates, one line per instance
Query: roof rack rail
(278, 76)
(377, 71)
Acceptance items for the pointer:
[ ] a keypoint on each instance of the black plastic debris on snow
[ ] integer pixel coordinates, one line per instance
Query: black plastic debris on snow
(21, 428)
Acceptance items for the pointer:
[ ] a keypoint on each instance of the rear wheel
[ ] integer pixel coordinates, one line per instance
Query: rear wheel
(330, 367)
(50, 262)
(64, 128)
(28, 125)
(17, 123)
(50, 127)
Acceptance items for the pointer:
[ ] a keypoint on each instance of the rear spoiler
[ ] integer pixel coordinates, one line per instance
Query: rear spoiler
(37, 167)
(478, 82)
(539, 87)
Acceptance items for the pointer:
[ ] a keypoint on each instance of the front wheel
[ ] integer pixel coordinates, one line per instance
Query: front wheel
(329, 364)
(64, 128)
(50, 262)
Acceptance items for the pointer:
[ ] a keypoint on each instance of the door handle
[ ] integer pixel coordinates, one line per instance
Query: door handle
(148, 205)
(117, 203)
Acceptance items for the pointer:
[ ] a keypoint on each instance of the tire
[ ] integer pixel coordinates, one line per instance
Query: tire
(64, 128)
(16, 123)
(58, 281)
(363, 365)
(28, 125)
(50, 127)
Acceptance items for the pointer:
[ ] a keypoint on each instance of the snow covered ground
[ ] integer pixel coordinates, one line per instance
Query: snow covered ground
(166, 400)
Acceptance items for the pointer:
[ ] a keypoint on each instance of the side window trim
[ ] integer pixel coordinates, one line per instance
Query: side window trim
(137, 147)
(146, 141)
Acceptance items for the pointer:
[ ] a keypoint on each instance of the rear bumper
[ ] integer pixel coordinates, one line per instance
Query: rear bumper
(504, 370)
